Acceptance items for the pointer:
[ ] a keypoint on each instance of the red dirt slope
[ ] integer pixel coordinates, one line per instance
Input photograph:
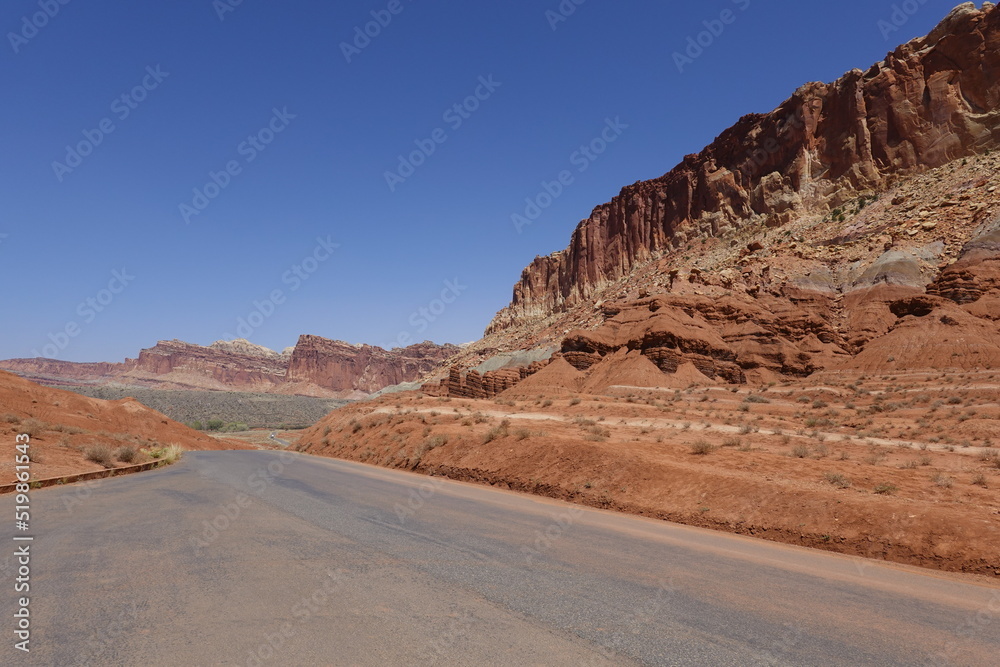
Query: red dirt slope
(63, 425)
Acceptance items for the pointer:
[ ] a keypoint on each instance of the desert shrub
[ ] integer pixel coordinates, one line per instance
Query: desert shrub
(575, 401)
(101, 455)
(234, 427)
(943, 481)
(732, 442)
(886, 489)
(502, 430)
(990, 458)
(167, 454)
(197, 425)
(10, 419)
(799, 452)
(126, 454)
(702, 447)
(837, 480)
(32, 427)
(215, 424)
(756, 398)
(436, 441)
(979, 480)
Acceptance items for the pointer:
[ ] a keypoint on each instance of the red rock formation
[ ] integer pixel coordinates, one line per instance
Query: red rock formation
(340, 366)
(248, 367)
(316, 366)
(930, 101)
(472, 384)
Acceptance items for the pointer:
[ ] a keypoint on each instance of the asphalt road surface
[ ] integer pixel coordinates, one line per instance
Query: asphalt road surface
(267, 558)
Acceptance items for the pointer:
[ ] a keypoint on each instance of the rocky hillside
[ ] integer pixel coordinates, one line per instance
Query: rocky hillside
(855, 226)
(929, 102)
(69, 432)
(314, 367)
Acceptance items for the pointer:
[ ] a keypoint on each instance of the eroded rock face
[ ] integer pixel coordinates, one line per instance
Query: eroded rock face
(230, 364)
(722, 338)
(340, 366)
(472, 384)
(930, 101)
(976, 274)
(315, 366)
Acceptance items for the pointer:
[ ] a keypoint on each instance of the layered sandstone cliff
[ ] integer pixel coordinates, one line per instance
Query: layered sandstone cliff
(930, 101)
(314, 367)
(340, 366)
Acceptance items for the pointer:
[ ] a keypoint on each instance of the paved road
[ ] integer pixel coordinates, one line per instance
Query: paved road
(320, 562)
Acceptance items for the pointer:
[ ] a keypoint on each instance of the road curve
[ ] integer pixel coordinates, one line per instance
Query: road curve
(257, 558)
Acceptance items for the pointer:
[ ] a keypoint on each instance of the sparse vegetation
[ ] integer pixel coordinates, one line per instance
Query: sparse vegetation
(702, 447)
(500, 431)
(837, 480)
(799, 452)
(100, 454)
(127, 454)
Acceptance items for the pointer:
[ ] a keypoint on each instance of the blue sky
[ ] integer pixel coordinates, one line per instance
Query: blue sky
(299, 131)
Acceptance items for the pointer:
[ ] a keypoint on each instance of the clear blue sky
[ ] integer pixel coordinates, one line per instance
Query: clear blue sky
(323, 175)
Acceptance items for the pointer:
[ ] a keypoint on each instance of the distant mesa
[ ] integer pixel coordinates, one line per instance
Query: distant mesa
(314, 367)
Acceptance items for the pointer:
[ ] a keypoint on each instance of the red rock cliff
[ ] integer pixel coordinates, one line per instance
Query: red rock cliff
(340, 366)
(930, 101)
(317, 366)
